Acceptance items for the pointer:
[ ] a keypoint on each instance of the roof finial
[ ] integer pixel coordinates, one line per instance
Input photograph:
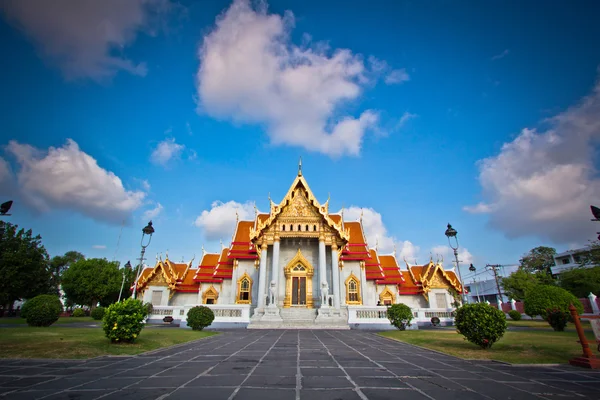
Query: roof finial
(167, 254)
(394, 249)
(255, 210)
(237, 216)
(361, 215)
(300, 167)
(203, 251)
(376, 242)
(342, 216)
(222, 245)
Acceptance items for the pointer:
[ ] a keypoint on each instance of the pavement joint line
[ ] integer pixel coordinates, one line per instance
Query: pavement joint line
(298, 368)
(391, 372)
(489, 369)
(111, 376)
(356, 388)
(204, 373)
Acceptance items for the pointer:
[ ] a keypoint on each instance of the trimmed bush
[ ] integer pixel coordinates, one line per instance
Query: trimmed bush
(542, 298)
(400, 315)
(514, 315)
(98, 313)
(480, 324)
(149, 308)
(123, 321)
(557, 319)
(200, 317)
(42, 310)
(78, 312)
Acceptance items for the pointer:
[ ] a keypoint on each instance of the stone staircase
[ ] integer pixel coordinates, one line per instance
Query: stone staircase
(298, 318)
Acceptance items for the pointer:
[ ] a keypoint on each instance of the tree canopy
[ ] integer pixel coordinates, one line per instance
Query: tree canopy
(24, 271)
(59, 264)
(581, 281)
(517, 284)
(93, 280)
(539, 259)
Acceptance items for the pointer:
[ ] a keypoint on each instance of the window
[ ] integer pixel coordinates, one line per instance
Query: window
(210, 301)
(387, 302)
(299, 228)
(299, 268)
(211, 295)
(291, 227)
(244, 289)
(314, 228)
(283, 227)
(156, 297)
(306, 228)
(352, 290)
(565, 260)
(577, 259)
(440, 299)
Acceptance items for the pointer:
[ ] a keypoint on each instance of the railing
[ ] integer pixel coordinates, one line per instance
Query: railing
(378, 315)
(223, 313)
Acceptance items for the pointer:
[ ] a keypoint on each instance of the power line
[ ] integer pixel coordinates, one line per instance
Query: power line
(494, 268)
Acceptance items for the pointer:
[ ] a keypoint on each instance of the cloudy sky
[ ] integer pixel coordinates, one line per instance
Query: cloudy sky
(482, 114)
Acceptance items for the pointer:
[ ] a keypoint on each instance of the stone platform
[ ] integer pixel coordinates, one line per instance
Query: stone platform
(300, 318)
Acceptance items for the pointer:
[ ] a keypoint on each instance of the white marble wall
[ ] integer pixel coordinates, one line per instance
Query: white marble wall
(371, 295)
(164, 301)
(287, 251)
(349, 267)
(181, 299)
(247, 266)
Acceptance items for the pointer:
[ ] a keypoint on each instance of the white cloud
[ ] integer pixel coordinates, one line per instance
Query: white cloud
(479, 208)
(154, 212)
(542, 183)
(166, 151)
(404, 119)
(86, 38)
(99, 247)
(406, 250)
(219, 221)
(68, 178)
(464, 256)
(375, 230)
(501, 55)
(396, 76)
(251, 72)
(146, 185)
(5, 174)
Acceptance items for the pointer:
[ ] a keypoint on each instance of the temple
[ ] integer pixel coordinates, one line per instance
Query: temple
(297, 266)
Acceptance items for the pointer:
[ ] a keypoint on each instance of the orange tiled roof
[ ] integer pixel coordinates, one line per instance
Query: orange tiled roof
(409, 286)
(224, 268)
(391, 271)
(337, 218)
(206, 269)
(356, 248)
(262, 218)
(241, 247)
(373, 269)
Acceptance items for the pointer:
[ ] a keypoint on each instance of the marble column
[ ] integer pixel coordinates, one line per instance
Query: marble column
(262, 277)
(335, 272)
(234, 279)
(322, 267)
(275, 270)
(363, 283)
(200, 293)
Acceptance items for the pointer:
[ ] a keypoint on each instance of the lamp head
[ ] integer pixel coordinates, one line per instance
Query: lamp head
(148, 229)
(472, 268)
(595, 212)
(450, 231)
(128, 265)
(5, 207)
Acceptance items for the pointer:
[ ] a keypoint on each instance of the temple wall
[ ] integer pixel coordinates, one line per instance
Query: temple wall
(225, 292)
(181, 299)
(247, 266)
(164, 296)
(413, 300)
(371, 295)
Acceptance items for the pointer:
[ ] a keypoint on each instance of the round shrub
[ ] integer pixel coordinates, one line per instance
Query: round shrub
(557, 319)
(480, 324)
(42, 310)
(123, 321)
(98, 313)
(200, 317)
(400, 315)
(149, 308)
(542, 298)
(514, 315)
(78, 312)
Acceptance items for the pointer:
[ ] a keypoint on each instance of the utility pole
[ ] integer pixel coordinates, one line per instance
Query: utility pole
(494, 267)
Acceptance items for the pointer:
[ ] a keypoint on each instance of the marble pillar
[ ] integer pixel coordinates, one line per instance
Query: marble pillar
(322, 268)
(275, 270)
(262, 277)
(363, 284)
(335, 272)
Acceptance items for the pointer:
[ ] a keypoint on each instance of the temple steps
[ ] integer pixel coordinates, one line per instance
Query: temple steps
(299, 318)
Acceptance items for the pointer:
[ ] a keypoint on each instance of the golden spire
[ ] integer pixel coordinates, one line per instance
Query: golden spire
(167, 255)
(300, 167)
(376, 242)
(203, 251)
(222, 245)
(237, 216)
(361, 215)
(394, 250)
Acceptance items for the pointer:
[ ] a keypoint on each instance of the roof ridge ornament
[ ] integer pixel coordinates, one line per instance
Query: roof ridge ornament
(300, 166)
(203, 251)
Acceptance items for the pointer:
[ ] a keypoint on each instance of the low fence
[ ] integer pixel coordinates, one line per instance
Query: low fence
(591, 305)
(378, 315)
(234, 313)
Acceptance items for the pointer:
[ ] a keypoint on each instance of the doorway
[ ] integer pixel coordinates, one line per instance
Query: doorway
(298, 291)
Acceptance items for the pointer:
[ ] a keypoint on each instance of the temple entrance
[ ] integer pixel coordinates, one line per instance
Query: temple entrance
(298, 291)
(298, 282)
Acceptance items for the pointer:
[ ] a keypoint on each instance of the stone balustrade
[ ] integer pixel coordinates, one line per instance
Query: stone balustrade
(363, 315)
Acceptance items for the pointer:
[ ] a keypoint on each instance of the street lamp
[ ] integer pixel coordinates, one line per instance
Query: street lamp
(5, 207)
(127, 266)
(148, 230)
(452, 233)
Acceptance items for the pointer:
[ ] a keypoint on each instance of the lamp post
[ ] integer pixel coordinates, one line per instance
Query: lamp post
(127, 266)
(4, 208)
(147, 230)
(452, 233)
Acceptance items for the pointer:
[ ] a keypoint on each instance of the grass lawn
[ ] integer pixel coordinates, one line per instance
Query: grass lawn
(536, 323)
(62, 342)
(61, 320)
(518, 347)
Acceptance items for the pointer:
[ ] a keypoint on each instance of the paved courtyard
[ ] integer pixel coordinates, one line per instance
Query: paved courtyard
(282, 365)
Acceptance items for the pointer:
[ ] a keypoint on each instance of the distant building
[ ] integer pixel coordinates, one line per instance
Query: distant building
(570, 259)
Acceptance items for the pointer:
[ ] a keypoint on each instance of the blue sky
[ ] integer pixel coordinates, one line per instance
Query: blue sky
(482, 114)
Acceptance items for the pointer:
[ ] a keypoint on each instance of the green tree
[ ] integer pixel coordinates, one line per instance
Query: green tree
(539, 259)
(592, 258)
(59, 264)
(581, 281)
(24, 269)
(517, 284)
(92, 280)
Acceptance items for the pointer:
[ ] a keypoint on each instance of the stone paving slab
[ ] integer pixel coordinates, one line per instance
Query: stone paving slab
(280, 365)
